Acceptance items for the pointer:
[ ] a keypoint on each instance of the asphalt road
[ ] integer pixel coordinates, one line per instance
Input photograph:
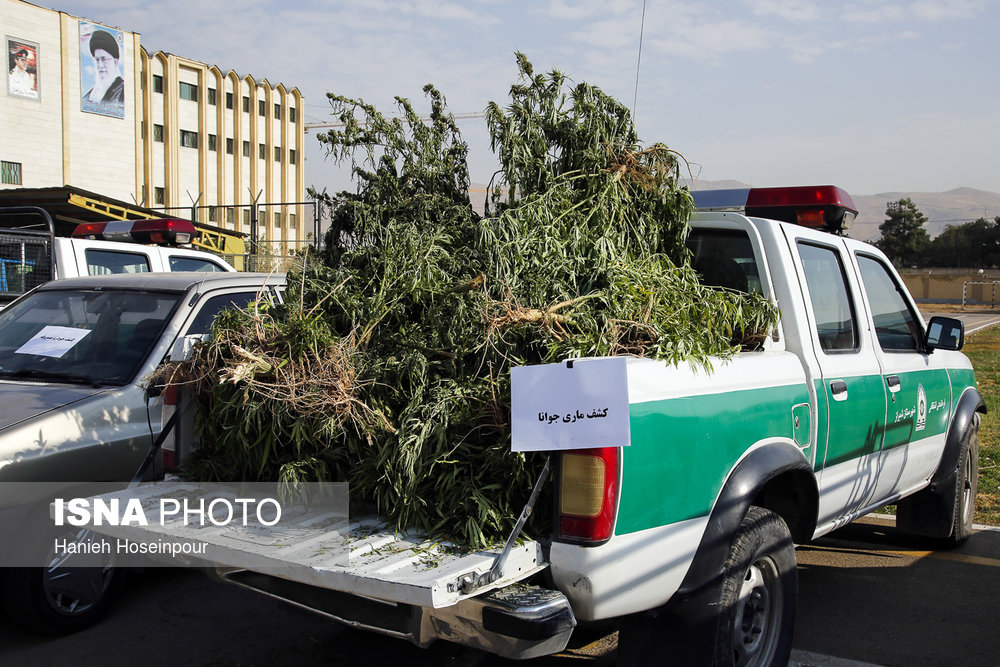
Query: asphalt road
(868, 595)
(973, 321)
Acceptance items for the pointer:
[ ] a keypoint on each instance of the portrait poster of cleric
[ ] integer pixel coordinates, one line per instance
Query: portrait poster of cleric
(102, 55)
(22, 69)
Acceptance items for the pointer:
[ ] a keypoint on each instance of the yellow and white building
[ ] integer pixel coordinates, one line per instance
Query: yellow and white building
(173, 132)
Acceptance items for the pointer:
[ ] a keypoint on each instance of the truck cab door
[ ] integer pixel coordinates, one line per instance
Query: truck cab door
(919, 389)
(851, 397)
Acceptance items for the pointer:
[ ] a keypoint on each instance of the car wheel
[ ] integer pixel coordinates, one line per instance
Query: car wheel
(759, 595)
(69, 594)
(966, 486)
(944, 511)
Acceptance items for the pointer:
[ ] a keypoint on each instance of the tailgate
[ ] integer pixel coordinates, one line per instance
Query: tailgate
(361, 557)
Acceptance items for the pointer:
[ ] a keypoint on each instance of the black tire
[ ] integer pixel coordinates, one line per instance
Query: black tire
(67, 596)
(757, 610)
(966, 486)
(945, 510)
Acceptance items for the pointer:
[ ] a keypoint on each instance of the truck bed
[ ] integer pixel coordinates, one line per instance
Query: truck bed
(361, 557)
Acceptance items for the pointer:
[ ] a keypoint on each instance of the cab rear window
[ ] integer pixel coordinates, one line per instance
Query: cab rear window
(103, 262)
(724, 258)
(179, 263)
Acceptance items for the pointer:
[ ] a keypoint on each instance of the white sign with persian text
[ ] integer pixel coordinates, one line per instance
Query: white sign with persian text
(52, 341)
(574, 405)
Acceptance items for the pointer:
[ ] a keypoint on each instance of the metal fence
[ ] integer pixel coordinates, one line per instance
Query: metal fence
(271, 256)
(25, 262)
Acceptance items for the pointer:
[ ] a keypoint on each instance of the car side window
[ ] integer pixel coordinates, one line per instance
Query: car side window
(202, 322)
(103, 262)
(724, 258)
(832, 306)
(896, 326)
(178, 263)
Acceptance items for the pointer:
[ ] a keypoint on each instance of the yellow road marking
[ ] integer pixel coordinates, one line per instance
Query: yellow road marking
(959, 558)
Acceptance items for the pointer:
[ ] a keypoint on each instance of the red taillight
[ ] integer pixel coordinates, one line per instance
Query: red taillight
(169, 458)
(170, 397)
(588, 494)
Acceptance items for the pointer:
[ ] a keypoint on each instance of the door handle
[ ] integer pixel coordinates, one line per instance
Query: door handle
(892, 381)
(838, 389)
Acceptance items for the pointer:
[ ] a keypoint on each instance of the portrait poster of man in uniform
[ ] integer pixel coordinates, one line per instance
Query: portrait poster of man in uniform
(102, 54)
(22, 69)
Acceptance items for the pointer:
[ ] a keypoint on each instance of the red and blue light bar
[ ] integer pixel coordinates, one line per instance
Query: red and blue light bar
(818, 206)
(161, 231)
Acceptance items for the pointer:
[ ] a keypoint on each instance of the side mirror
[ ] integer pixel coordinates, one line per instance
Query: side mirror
(944, 333)
(184, 345)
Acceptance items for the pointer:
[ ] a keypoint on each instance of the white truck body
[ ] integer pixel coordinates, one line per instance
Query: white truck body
(850, 405)
(31, 254)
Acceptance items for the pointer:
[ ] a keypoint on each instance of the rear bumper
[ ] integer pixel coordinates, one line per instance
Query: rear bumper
(517, 622)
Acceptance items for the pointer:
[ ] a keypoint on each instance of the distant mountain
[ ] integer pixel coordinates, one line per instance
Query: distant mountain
(941, 208)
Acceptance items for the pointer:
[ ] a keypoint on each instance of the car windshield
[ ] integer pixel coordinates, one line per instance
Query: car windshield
(97, 337)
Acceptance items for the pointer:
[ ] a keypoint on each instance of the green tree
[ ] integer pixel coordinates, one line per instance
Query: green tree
(970, 244)
(904, 238)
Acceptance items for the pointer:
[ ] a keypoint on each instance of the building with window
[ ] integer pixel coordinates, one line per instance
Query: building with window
(86, 105)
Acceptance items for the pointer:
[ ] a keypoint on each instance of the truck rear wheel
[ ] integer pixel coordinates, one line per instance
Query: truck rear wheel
(760, 594)
(945, 511)
(966, 488)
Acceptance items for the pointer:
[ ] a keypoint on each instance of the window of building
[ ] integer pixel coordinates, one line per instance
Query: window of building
(291, 221)
(211, 96)
(10, 172)
(213, 142)
(157, 83)
(211, 213)
(261, 108)
(246, 104)
(291, 114)
(277, 111)
(291, 156)
(189, 139)
(246, 217)
(230, 146)
(277, 153)
(277, 220)
(158, 133)
(262, 151)
(159, 195)
(246, 149)
(229, 100)
(189, 91)
(230, 215)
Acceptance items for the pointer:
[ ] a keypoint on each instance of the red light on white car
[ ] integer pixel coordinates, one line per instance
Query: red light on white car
(159, 231)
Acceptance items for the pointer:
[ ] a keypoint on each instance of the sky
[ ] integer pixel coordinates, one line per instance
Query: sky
(871, 95)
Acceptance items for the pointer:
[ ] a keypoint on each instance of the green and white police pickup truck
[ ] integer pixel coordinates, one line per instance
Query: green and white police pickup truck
(684, 529)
